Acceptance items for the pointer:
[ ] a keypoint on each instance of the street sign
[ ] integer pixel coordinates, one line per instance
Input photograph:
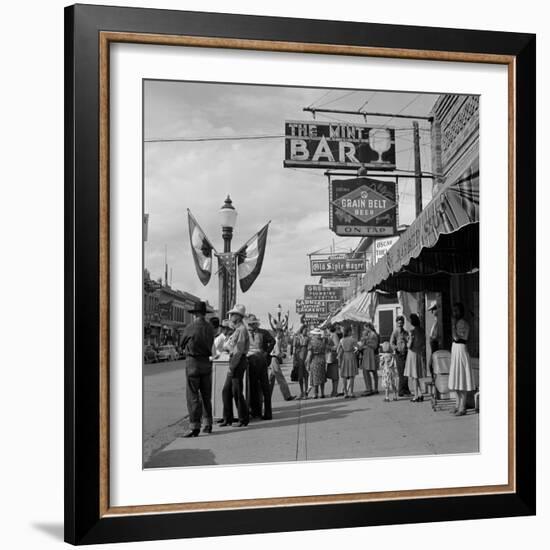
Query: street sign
(362, 207)
(381, 246)
(313, 144)
(337, 267)
(318, 292)
(336, 283)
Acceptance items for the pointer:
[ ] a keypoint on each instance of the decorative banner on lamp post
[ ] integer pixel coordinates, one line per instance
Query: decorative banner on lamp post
(312, 144)
(363, 207)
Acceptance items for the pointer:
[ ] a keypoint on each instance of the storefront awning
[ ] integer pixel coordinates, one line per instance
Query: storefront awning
(443, 239)
(360, 309)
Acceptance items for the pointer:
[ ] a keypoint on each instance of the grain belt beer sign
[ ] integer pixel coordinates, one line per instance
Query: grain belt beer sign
(348, 266)
(318, 292)
(363, 207)
(311, 144)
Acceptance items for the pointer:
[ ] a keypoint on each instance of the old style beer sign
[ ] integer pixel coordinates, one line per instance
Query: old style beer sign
(338, 145)
(363, 207)
(348, 266)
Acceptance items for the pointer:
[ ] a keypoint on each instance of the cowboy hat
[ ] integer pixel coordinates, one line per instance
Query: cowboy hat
(316, 332)
(252, 319)
(199, 307)
(432, 306)
(239, 309)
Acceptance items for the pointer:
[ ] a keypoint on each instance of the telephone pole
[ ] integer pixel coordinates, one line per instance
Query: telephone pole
(417, 170)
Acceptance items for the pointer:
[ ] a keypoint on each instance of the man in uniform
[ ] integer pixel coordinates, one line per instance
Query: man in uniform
(237, 346)
(198, 339)
(261, 344)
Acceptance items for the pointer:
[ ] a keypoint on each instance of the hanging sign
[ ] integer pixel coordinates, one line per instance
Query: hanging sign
(311, 306)
(381, 247)
(336, 283)
(363, 207)
(318, 292)
(348, 266)
(312, 144)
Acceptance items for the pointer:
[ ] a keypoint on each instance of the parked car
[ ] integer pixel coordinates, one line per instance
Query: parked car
(149, 355)
(167, 353)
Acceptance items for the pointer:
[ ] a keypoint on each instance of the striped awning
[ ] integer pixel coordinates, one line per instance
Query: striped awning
(359, 309)
(432, 244)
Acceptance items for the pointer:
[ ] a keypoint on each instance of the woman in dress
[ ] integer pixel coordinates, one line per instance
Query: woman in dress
(299, 346)
(369, 363)
(414, 367)
(332, 359)
(315, 362)
(461, 379)
(347, 358)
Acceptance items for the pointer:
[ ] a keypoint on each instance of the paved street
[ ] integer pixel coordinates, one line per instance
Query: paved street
(164, 396)
(319, 429)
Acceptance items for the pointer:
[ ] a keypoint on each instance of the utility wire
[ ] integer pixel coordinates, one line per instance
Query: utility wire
(338, 98)
(213, 138)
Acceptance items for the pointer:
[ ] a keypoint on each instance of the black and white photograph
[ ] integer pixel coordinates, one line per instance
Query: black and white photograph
(310, 274)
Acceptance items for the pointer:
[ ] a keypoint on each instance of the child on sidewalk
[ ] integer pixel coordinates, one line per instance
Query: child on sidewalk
(389, 371)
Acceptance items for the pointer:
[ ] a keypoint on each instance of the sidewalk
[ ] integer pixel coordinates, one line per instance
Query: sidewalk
(331, 428)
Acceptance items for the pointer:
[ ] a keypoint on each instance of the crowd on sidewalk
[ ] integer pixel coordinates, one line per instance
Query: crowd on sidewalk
(317, 356)
(397, 366)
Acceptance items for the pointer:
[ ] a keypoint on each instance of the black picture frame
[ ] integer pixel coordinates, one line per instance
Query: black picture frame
(84, 521)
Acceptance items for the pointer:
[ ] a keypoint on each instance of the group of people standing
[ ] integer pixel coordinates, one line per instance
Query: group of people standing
(248, 349)
(336, 353)
(318, 356)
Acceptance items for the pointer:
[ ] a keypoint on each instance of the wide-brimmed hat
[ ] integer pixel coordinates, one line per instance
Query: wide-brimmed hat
(316, 332)
(252, 319)
(432, 306)
(239, 309)
(199, 307)
(386, 347)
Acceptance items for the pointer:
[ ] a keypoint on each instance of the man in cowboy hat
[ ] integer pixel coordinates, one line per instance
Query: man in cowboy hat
(261, 344)
(237, 346)
(198, 339)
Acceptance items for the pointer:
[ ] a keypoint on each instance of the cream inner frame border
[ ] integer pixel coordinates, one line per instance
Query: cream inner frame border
(117, 506)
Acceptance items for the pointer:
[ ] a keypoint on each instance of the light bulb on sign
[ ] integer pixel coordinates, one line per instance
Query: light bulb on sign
(380, 141)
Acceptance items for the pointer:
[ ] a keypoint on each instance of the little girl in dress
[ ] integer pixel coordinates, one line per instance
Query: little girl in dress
(389, 371)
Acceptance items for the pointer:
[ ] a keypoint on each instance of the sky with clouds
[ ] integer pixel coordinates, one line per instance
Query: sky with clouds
(199, 175)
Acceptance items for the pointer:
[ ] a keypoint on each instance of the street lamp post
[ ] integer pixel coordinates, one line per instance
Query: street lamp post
(226, 261)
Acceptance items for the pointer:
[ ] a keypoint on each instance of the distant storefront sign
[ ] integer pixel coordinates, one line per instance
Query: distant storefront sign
(319, 292)
(346, 266)
(363, 207)
(311, 306)
(381, 247)
(312, 144)
(336, 283)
